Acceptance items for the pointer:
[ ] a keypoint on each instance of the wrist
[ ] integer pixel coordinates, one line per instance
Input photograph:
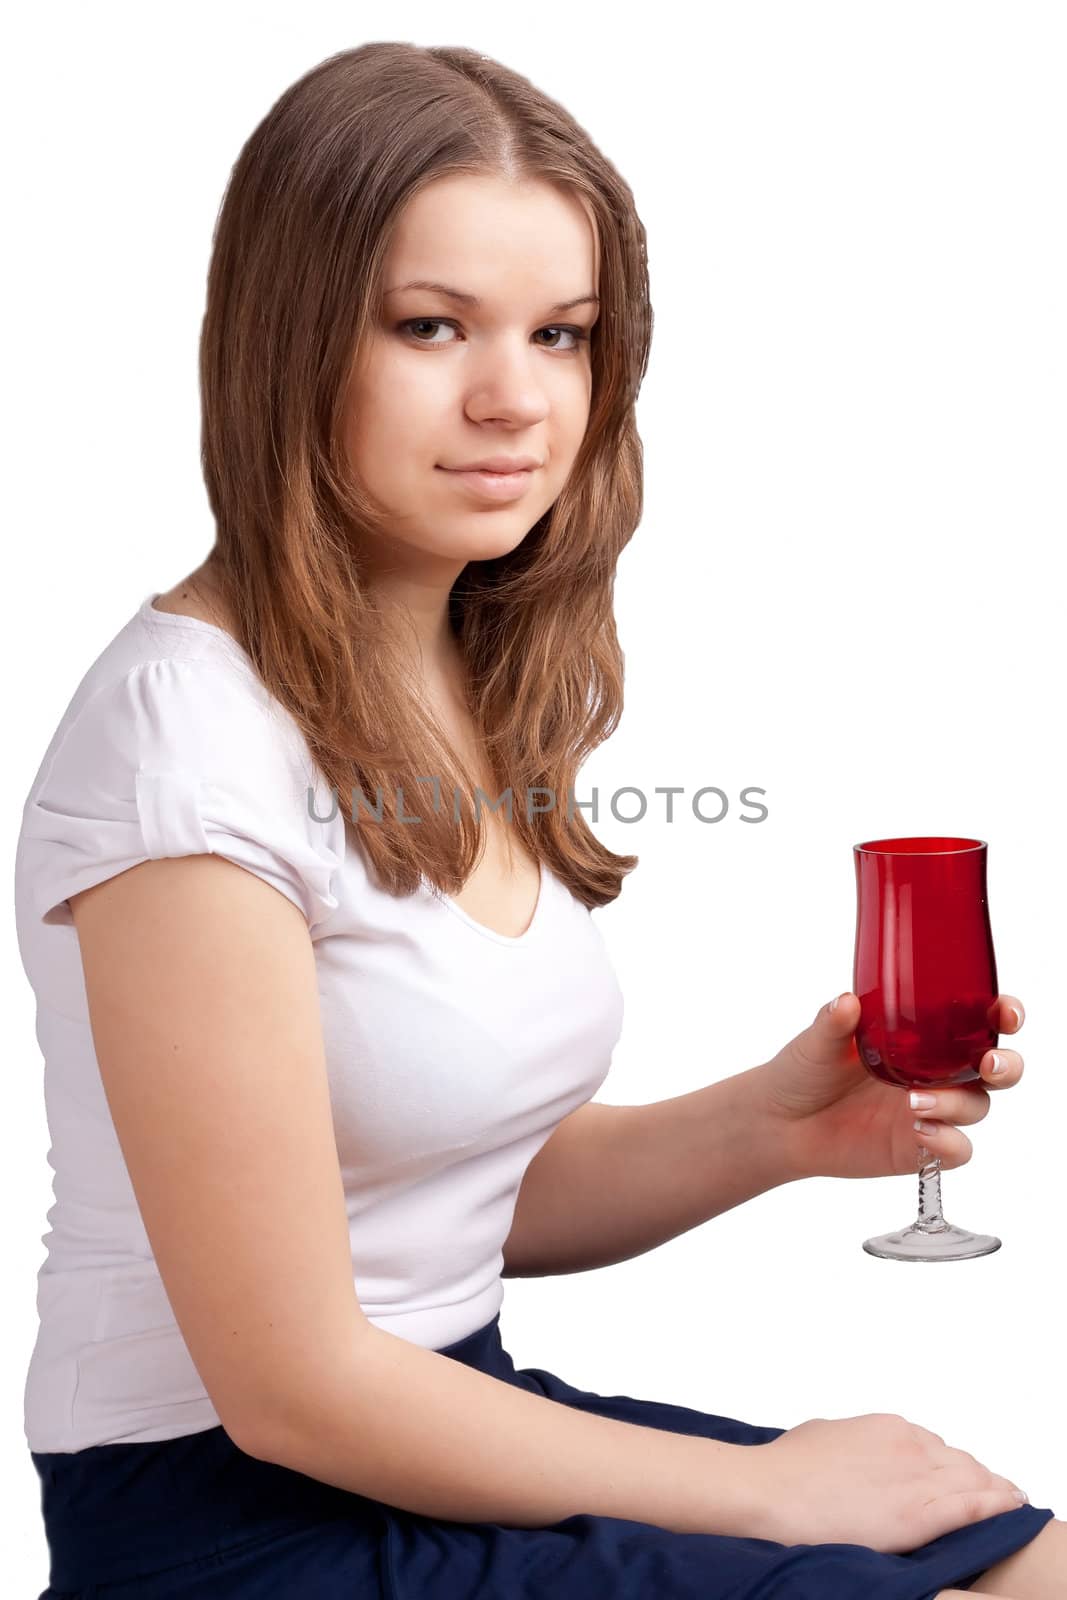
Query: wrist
(783, 1135)
(736, 1495)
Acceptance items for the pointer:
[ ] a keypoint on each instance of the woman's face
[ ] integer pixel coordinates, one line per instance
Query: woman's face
(509, 376)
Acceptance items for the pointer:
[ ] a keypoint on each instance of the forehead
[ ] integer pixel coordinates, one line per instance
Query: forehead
(488, 234)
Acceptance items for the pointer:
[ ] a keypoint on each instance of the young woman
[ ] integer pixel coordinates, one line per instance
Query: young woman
(317, 1076)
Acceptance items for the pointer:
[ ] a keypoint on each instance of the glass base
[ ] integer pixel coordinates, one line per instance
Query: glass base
(939, 1243)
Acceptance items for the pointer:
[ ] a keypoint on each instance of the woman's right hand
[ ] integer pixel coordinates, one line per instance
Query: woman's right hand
(876, 1480)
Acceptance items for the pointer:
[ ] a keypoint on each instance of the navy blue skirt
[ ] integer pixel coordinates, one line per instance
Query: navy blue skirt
(196, 1516)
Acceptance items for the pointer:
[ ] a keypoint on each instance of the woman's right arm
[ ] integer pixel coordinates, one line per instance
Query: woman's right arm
(203, 1001)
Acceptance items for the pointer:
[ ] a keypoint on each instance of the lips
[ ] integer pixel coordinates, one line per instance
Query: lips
(501, 464)
(491, 485)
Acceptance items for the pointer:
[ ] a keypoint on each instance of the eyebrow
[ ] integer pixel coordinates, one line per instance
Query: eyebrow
(473, 300)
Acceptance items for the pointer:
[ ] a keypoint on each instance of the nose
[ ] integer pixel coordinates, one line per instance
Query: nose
(505, 385)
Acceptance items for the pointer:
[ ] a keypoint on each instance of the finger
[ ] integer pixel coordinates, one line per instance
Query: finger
(954, 1460)
(1011, 1014)
(960, 1509)
(960, 1106)
(953, 1476)
(1010, 1064)
(841, 1014)
(953, 1148)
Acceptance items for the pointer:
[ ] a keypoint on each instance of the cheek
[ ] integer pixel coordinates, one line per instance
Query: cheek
(379, 418)
(571, 416)
(406, 408)
(574, 400)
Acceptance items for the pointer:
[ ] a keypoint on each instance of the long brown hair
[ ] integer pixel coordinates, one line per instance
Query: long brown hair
(294, 283)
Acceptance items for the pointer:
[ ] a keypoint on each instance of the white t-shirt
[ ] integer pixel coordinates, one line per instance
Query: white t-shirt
(453, 1051)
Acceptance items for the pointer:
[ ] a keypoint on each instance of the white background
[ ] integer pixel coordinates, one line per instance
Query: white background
(846, 589)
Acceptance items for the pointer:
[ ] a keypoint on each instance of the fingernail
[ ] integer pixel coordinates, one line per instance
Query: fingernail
(1018, 1016)
(833, 1003)
(926, 1127)
(1023, 1499)
(922, 1102)
(999, 1063)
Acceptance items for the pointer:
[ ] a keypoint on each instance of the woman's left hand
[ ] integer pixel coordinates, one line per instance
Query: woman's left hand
(843, 1123)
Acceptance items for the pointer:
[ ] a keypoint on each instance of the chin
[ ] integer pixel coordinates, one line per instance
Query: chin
(491, 547)
(480, 537)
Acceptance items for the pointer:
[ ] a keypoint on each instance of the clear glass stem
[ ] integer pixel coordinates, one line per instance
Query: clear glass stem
(930, 1219)
(931, 1238)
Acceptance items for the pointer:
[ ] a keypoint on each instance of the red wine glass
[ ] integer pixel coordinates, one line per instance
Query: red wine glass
(926, 979)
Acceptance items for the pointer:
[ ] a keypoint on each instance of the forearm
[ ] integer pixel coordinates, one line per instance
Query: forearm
(417, 1430)
(620, 1181)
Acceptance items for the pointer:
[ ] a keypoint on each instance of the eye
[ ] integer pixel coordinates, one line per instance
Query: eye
(579, 335)
(422, 322)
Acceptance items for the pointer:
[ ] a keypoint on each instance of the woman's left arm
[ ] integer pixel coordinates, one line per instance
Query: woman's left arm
(615, 1181)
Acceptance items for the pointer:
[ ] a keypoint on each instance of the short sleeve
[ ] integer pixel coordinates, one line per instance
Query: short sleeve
(179, 757)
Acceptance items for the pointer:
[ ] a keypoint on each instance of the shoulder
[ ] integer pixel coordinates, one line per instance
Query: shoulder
(175, 755)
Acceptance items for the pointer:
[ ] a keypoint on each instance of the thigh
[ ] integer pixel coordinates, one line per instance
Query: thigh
(321, 1561)
(401, 1555)
(608, 1557)
(957, 1559)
